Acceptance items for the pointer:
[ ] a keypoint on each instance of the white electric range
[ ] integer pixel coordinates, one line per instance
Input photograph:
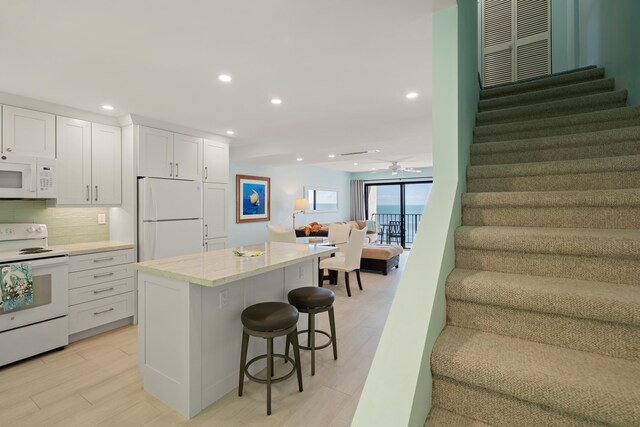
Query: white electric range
(42, 325)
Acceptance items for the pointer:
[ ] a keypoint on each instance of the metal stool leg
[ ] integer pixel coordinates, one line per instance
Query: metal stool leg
(269, 372)
(296, 353)
(312, 341)
(332, 324)
(243, 361)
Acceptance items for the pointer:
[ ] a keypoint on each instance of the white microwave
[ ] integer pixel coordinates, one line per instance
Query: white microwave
(24, 177)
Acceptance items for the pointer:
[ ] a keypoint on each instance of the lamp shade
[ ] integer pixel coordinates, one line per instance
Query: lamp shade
(301, 205)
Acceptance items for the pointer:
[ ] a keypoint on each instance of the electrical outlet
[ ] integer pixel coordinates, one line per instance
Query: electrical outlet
(102, 219)
(224, 298)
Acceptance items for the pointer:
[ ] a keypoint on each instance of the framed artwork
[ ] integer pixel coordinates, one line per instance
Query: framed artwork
(253, 198)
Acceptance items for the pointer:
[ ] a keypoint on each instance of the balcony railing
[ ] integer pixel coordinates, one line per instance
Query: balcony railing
(397, 228)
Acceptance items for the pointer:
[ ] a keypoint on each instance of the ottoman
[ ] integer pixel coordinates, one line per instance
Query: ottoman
(380, 258)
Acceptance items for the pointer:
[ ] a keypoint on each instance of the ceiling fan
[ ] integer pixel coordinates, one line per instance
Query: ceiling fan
(394, 167)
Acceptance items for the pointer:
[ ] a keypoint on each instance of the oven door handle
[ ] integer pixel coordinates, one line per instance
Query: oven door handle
(62, 260)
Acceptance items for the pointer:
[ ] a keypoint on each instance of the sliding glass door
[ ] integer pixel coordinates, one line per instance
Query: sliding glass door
(397, 209)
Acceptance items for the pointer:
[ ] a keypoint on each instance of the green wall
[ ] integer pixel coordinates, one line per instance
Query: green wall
(599, 32)
(66, 225)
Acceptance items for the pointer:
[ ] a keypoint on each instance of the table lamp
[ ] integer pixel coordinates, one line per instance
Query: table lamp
(300, 206)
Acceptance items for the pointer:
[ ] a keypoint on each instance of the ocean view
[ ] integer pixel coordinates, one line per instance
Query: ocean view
(395, 209)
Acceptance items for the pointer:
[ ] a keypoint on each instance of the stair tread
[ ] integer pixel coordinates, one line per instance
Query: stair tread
(591, 198)
(610, 243)
(558, 167)
(439, 417)
(586, 384)
(620, 113)
(554, 108)
(608, 136)
(561, 79)
(609, 302)
(558, 92)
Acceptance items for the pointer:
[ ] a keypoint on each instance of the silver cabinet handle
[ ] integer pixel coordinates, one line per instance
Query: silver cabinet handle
(95, 313)
(206, 246)
(88, 193)
(9, 149)
(99, 291)
(103, 259)
(170, 168)
(96, 276)
(206, 230)
(177, 169)
(96, 193)
(206, 172)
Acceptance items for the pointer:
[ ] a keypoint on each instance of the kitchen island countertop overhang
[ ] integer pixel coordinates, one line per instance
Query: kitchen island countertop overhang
(223, 266)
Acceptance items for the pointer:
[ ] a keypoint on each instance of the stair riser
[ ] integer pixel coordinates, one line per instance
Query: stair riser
(537, 112)
(624, 148)
(601, 269)
(498, 409)
(559, 217)
(583, 181)
(607, 338)
(592, 88)
(553, 82)
(509, 134)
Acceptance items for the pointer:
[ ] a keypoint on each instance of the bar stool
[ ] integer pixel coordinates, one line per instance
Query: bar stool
(313, 300)
(269, 320)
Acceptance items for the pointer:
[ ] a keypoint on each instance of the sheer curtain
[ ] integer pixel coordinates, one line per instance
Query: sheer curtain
(357, 199)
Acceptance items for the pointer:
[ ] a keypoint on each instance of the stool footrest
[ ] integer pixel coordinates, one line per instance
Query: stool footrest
(273, 380)
(317, 347)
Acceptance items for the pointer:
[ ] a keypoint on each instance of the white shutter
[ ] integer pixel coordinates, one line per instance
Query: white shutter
(533, 43)
(516, 42)
(497, 42)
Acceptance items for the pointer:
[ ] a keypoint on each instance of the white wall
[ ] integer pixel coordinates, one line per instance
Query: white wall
(287, 184)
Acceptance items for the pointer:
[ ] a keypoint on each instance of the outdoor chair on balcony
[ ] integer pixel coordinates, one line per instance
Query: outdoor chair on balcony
(394, 231)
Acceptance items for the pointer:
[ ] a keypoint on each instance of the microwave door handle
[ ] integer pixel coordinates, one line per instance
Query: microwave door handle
(32, 184)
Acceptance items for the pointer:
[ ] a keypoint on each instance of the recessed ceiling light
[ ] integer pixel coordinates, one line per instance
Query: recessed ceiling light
(355, 164)
(230, 132)
(331, 156)
(276, 101)
(107, 107)
(299, 159)
(412, 95)
(224, 78)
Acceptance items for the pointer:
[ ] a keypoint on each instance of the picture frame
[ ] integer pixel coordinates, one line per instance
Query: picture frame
(253, 198)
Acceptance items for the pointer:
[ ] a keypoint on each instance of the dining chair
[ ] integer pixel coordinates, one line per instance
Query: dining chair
(347, 263)
(339, 235)
(279, 234)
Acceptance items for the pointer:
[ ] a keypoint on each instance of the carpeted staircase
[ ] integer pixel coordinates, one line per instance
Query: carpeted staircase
(543, 308)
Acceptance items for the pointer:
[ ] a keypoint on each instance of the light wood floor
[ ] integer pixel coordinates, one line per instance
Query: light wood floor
(95, 382)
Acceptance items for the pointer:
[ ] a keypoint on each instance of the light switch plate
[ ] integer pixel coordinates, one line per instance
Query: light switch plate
(102, 219)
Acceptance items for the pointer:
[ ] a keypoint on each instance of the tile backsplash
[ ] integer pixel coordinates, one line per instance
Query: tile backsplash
(66, 225)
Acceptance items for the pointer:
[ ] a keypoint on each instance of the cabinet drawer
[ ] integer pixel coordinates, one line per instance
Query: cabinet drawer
(95, 313)
(100, 290)
(102, 259)
(99, 275)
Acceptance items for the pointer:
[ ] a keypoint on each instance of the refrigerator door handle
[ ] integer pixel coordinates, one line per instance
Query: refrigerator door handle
(206, 230)
(170, 168)
(177, 169)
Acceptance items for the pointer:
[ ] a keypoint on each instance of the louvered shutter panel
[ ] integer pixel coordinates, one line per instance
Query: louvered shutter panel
(497, 42)
(533, 43)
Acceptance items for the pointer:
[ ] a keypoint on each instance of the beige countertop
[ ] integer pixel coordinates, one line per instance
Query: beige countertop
(222, 266)
(93, 247)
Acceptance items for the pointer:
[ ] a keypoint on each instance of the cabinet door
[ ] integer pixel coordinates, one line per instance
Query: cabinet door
(28, 133)
(155, 153)
(74, 161)
(106, 165)
(216, 161)
(187, 157)
(214, 244)
(215, 210)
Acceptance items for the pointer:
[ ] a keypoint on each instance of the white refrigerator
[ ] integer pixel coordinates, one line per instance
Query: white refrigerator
(169, 218)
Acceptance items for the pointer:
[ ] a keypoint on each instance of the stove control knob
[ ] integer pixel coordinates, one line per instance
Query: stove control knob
(40, 229)
(31, 230)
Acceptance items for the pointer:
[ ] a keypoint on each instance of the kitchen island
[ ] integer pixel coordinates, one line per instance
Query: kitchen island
(189, 328)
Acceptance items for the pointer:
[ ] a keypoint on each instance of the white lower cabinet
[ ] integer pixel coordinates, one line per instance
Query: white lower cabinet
(214, 244)
(101, 289)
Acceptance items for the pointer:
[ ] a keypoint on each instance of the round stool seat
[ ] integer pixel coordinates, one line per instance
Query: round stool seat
(311, 297)
(269, 316)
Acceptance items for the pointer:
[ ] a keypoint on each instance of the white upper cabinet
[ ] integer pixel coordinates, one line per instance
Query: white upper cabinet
(106, 164)
(187, 157)
(74, 161)
(155, 153)
(216, 161)
(89, 163)
(215, 210)
(28, 133)
(163, 154)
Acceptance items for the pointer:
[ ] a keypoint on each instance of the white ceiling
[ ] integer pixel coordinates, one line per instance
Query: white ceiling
(341, 67)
